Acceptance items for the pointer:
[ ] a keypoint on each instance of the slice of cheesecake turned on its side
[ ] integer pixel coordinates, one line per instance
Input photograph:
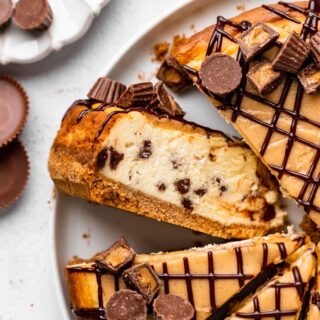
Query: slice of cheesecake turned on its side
(207, 277)
(258, 71)
(132, 149)
(284, 296)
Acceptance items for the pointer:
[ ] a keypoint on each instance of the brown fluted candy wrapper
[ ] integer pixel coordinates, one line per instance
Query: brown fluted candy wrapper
(165, 103)
(14, 170)
(215, 74)
(143, 279)
(6, 10)
(170, 306)
(116, 257)
(263, 78)
(126, 305)
(137, 95)
(292, 55)
(315, 48)
(106, 90)
(310, 79)
(14, 108)
(33, 15)
(173, 75)
(256, 39)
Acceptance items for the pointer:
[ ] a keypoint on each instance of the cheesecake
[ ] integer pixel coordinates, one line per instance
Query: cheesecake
(261, 71)
(207, 277)
(131, 148)
(283, 297)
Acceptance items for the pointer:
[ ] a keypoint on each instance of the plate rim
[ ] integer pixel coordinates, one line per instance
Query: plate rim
(183, 4)
(6, 60)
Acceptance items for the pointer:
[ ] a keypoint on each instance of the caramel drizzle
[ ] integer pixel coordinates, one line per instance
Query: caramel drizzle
(277, 313)
(310, 26)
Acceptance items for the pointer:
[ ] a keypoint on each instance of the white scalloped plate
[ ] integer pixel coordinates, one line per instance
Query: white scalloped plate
(19, 46)
(75, 218)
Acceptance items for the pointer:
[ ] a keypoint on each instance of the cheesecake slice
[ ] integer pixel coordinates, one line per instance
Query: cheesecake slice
(272, 94)
(283, 297)
(140, 155)
(207, 277)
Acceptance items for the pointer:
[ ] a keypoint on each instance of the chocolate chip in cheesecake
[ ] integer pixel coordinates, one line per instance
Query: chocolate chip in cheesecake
(256, 39)
(292, 55)
(102, 158)
(223, 189)
(269, 213)
(172, 307)
(137, 95)
(183, 185)
(143, 279)
(106, 90)
(315, 48)
(173, 75)
(163, 102)
(187, 203)
(161, 187)
(175, 164)
(126, 304)
(117, 257)
(146, 150)
(215, 74)
(310, 79)
(263, 78)
(115, 158)
(200, 192)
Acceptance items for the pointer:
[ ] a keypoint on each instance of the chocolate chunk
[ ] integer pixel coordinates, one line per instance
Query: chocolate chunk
(14, 173)
(117, 257)
(137, 95)
(315, 48)
(143, 279)
(172, 307)
(292, 55)
(256, 39)
(173, 75)
(164, 103)
(126, 305)
(201, 192)
(102, 158)
(14, 107)
(106, 90)
(263, 78)
(115, 158)
(310, 79)
(215, 74)
(146, 150)
(183, 185)
(187, 204)
(269, 214)
(6, 9)
(161, 187)
(32, 15)
(223, 189)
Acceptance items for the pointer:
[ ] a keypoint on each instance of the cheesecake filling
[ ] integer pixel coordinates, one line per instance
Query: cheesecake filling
(206, 174)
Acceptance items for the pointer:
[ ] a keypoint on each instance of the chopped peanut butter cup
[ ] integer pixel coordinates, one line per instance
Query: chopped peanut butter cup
(14, 170)
(106, 90)
(33, 15)
(6, 9)
(215, 74)
(14, 106)
(310, 79)
(315, 48)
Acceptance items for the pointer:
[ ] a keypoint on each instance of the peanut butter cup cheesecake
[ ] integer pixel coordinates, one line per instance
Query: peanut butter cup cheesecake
(206, 278)
(283, 297)
(261, 70)
(131, 148)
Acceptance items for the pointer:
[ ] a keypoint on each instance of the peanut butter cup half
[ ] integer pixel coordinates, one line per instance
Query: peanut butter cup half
(14, 107)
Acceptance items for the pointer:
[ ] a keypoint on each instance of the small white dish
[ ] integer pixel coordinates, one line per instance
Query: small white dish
(22, 47)
(82, 229)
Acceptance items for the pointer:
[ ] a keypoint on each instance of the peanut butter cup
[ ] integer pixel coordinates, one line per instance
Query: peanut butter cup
(33, 15)
(14, 170)
(6, 9)
(14, 107)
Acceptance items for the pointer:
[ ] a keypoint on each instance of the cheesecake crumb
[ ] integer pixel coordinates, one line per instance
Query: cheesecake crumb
(160, 50)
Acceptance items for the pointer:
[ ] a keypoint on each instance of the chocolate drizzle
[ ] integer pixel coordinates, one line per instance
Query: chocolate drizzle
(233, 102)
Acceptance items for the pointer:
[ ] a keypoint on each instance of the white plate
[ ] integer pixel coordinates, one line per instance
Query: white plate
(75, 218)
(22, 47)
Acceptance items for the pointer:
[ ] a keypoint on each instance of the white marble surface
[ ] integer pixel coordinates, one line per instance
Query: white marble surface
(26, 287)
